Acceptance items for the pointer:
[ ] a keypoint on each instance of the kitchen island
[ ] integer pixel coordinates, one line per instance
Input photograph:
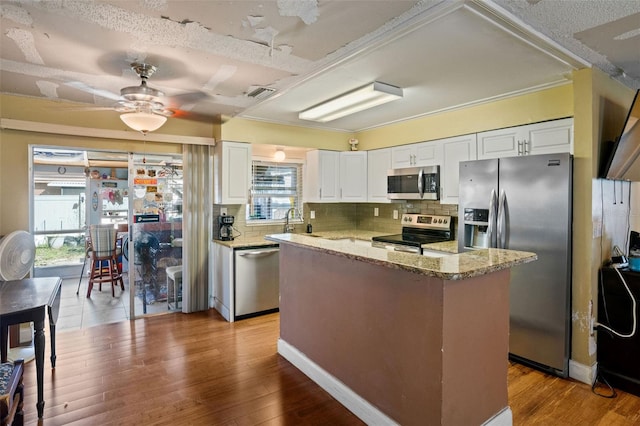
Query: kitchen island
(399, 338)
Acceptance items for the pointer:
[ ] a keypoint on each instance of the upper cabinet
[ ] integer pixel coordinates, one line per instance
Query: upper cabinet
(232, 172)
(548, 137)
(332, 176)
(378, 163)
(454, 150)
(353, 176)
(416, 154)
(322, 176)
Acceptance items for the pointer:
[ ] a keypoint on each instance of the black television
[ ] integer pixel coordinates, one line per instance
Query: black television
(621, 159)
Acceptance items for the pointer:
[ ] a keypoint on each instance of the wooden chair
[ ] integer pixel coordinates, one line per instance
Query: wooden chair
(11, 393)
(104, 258)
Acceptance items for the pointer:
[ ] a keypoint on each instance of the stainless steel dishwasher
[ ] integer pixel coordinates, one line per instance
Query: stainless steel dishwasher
(257, 280)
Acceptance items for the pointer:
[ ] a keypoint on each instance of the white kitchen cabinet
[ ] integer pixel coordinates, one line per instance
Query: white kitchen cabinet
(416, 154)
(548, 137)
(353, 176)
(322, 176)
(378, 163)
(332, 176)
(232, 172)
(454, 150)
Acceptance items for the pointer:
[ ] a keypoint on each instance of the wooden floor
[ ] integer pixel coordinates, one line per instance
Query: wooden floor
(198, 369)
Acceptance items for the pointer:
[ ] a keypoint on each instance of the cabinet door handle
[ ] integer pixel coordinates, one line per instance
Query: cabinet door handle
(519, 147)
(527, 147)
(320, 193)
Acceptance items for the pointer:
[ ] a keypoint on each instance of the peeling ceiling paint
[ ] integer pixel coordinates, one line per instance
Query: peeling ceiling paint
(307, 10)
(210, 55)
(24, 40)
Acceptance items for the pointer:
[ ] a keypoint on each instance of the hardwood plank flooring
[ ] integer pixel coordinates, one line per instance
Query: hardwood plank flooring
(198, 369)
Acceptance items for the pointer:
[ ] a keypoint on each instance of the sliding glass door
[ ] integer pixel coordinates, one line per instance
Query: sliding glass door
(155, 233)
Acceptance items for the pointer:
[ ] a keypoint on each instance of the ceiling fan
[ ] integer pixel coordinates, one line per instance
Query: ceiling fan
(142, 107)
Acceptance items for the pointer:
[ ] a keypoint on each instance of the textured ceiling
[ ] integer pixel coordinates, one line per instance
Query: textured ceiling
(211, 54)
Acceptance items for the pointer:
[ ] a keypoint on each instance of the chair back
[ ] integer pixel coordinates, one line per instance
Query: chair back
(103, 239)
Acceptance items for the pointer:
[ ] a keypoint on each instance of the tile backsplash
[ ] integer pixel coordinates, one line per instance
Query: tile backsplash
(339, 216)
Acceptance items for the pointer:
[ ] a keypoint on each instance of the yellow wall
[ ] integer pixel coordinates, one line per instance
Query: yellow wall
(529, 108)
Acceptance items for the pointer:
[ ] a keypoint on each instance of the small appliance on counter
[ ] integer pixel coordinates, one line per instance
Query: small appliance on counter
(225, 228)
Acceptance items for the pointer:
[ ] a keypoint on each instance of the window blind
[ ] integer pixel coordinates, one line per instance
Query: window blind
(275, 188)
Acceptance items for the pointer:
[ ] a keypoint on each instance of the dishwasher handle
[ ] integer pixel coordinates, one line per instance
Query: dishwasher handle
(258, 253)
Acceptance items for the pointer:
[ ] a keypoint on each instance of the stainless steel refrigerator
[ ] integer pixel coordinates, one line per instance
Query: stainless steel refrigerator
(524, 203)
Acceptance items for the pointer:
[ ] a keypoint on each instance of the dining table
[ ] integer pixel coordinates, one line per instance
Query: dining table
(30, 300)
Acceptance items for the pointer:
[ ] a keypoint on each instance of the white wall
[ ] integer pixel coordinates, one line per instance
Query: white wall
(617, 211)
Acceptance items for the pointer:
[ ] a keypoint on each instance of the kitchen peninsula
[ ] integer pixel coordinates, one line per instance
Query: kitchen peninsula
(399, 338)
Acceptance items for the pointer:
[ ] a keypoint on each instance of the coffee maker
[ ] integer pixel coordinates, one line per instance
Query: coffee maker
(225, 228)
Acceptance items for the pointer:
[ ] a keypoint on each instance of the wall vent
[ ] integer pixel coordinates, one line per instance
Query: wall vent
(261, 92)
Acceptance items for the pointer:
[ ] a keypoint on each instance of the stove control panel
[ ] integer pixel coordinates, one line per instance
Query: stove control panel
(426, 221)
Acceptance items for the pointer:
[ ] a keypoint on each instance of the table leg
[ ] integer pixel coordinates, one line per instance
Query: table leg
(38, 343)
(52, 332)
(4, 336)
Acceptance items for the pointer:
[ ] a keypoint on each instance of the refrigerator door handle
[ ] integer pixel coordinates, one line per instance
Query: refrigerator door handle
(421, 183)
(502, 224)
(491, 229)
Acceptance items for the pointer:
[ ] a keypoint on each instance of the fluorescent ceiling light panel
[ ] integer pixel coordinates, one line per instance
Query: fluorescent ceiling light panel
(369, 96)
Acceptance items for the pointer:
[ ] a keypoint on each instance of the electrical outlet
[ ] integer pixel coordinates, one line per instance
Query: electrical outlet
(395, 214)
(312, 214)
(223, 211)
(376, 211)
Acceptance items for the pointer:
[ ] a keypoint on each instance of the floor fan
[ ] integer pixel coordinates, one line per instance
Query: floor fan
(17, 254)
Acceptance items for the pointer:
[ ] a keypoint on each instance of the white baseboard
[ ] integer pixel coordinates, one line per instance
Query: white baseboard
(582, 373)
(351, 400)
(503, 418)
(344, 395)
(222, 309)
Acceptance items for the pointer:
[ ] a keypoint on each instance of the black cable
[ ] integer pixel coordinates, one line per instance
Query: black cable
(601, 379)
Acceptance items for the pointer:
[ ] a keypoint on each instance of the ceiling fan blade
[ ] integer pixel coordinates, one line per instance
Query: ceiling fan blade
(92, 90)
(187, 98)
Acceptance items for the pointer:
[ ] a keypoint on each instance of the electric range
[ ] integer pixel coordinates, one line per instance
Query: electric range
(417, 229)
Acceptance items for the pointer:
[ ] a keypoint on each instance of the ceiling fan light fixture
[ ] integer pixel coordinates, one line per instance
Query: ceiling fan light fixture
(365, 97)
(143, 122)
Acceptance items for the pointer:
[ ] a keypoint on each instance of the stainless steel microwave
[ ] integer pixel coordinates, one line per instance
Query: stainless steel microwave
(414, 183)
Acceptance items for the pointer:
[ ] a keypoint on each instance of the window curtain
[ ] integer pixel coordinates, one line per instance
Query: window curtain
(197, 226)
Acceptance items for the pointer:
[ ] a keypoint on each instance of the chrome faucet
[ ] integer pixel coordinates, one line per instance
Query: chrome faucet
(287, 226)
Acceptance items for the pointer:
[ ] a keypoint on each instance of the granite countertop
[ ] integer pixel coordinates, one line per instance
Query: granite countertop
(244, 242)
(451, 267)
(446, 246)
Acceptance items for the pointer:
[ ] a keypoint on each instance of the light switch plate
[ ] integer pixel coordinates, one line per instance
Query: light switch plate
(223, 211)
(312, 214)
(395, 214)
(376, 211)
